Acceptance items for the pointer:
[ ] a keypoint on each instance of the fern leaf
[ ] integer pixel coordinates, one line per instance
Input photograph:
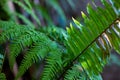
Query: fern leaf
(114, 36)
(77, 73)
(28, 3)
(5, 25)
(29, 11)
(38, 52)
(18, 44)
(23, 41)
(116, 6)
(42, 46)
(56, 6)
(54, 33)
(74, 73)
(53, 66)
(35, 54)
(91, 43)
(12, 32)
(2, 76)
(44, 12)
(25, 20)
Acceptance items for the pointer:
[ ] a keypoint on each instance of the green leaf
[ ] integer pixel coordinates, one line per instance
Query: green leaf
(2, 76)
(92, 42)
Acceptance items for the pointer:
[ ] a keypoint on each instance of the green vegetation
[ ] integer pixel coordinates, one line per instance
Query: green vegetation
(78, 53)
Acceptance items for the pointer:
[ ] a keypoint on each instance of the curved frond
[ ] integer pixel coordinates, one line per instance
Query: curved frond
(35, 54)
(20, 43)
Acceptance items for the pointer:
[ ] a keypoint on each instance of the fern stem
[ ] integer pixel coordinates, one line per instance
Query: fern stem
(71, 63)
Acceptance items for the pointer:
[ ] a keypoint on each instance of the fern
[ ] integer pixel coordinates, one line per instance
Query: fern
(28, 3)
(25, 20)
(18, 44)
(53, 65)
(2, 76)
(81, 53)
(44, 12)
(75, 73)
(35, 54)
(54, 4)
(5, 13)
(28, 10)
(39, 43)
(54, 33)
(91, 43)
(7, 35)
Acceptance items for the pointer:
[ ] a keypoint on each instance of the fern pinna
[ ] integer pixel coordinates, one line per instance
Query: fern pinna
(81, 53)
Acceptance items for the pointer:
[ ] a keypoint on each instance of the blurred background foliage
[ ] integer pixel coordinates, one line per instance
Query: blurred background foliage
(53, 13)
(47, 12)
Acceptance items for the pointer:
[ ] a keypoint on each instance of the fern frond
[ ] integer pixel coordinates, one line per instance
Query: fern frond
(92, 42)
(35, 54)
(56, 6)
(89, 45)
(13, 31)
(2, 76)
(74, 73)
(25, 20)
(5, 25)
(116, 6)
(28, 3)
(53, 66)
(5, 12)
(77, 73)
(28, 10)
(44, 12)
(40, 47)
(54, 33)
(114, 36)
(20, 43)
